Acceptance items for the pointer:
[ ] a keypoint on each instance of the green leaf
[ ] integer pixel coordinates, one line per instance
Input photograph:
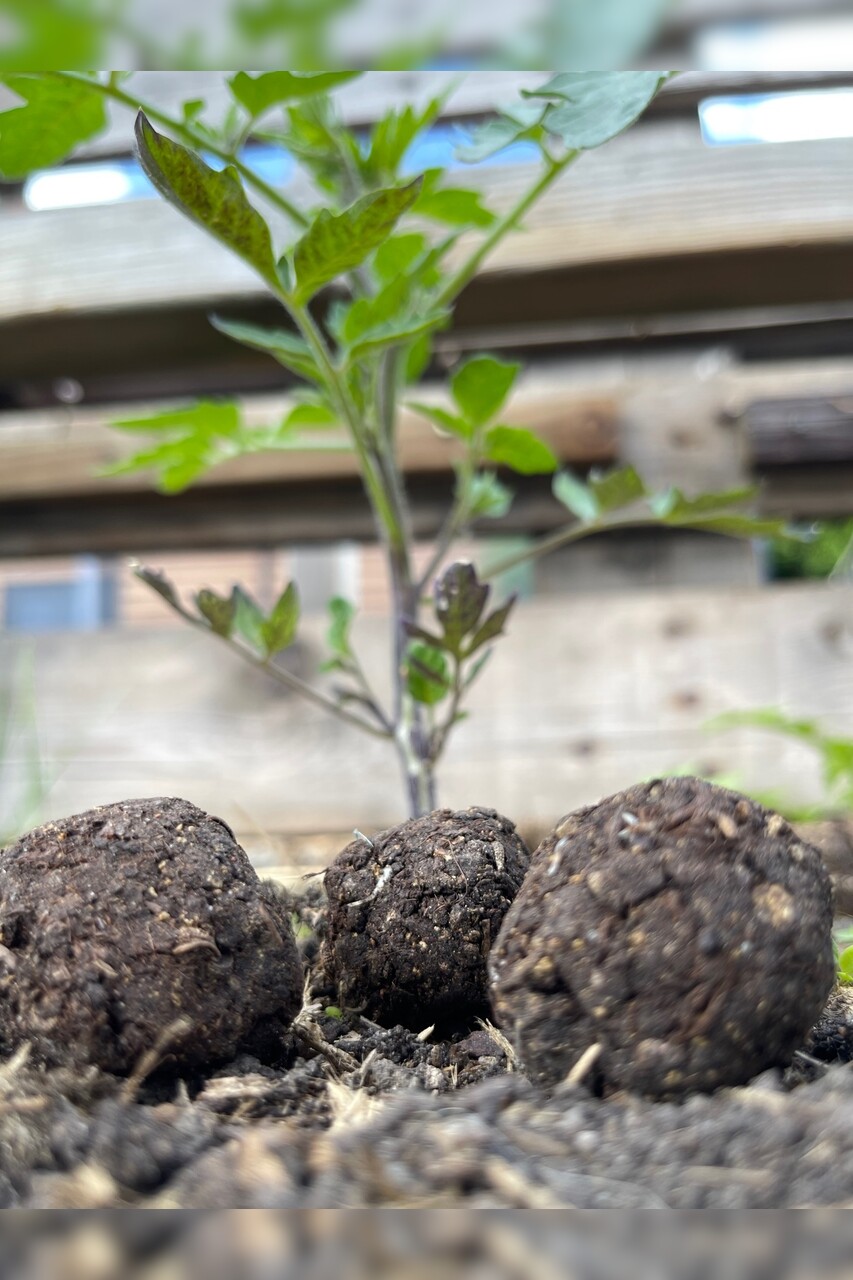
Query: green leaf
(59, 115)
(396, 333)
(417, 359)
(258, 93)
(312, 416)
(341, 613)
(673, 504)
(215, 200)
(492, 627)
(575, 495)
(501, 132)
(488, 496)
(845, 965)
(217, 610)
(734, 526)
(445, 421)
(481, 386)
(157, 581)
(768, 718)
(520, 449)
(398, 254)
(591, 107)
(248, 618)
(288, 348)
(279, 629)
(459, 599)
(618, 488)
(338, 242)
(427, 673)
(204, 418)
(394, 134)
(456, 206)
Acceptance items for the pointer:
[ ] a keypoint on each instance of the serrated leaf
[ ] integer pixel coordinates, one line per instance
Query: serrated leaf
(258, 93)
(500, 132)
(248, 618)
(617, 488)
(491, 628)
(176, 463)
(481, 386)
(575, 495)
(279, 629)
(157, 581)
(520, 449)
(215, 200)
(218, 611)
(416, 632)
(398, 254)
(427, 673)
(57, 117)
(488, 496)
(591, 107)
(459, 599)
(288, 348)
(734, 526)
(449, 422)
(455, 206)
(393, 135)
(338, 242)
(396, 333)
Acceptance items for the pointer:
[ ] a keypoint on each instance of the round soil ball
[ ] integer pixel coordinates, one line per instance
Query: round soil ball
(414, 911)
(118, 922)
(681, 928)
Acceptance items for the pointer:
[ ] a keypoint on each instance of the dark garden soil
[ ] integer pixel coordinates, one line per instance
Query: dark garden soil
(339, 1111)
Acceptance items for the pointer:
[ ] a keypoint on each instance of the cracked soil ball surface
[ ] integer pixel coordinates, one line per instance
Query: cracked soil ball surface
(681, 927)
(414, 911)
(117, 922)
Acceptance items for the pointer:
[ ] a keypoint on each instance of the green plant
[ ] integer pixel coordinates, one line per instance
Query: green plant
(834, 753)
(365, 278)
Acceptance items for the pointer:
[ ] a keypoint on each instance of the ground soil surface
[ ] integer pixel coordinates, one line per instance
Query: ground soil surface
(352, 1114)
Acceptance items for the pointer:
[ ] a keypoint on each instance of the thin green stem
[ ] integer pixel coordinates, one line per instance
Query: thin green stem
(563, 537)
(469, 268)
(194, 138)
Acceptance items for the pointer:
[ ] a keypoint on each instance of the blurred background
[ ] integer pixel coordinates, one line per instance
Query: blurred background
(681, 301)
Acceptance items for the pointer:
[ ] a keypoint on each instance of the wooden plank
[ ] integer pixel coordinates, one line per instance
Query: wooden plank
(678, 420)
(620, 690)
(60, 453)
(790, 432)
(656, 193)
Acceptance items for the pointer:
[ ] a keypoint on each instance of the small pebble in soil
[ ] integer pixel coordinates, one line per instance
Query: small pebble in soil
(680, 928)
(413, 912)
(137, 925)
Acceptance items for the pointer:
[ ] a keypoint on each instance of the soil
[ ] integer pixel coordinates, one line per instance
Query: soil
(353, 1114)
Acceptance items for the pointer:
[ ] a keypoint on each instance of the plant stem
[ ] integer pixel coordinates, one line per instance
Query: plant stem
(194, 138)
(563, 537)
(465, 273)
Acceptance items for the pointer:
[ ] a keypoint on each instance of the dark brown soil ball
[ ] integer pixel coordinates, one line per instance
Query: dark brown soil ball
(413, 912)
(118, 923)
(680, 928)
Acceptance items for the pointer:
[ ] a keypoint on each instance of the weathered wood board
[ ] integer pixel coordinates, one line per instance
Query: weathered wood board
(586, 695)
(656, 192)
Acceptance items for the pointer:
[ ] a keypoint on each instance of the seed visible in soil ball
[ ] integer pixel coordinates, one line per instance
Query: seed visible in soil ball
(117, 923)
(681, 928)
(413, 912)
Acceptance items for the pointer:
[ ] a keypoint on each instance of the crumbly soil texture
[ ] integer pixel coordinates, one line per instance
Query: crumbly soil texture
(346, 1113)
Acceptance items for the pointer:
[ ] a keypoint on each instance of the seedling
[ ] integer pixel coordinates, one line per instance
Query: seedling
(366, 271)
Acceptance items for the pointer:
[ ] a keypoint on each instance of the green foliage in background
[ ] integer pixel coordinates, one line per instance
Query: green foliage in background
(366, 270)
(824, 553)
